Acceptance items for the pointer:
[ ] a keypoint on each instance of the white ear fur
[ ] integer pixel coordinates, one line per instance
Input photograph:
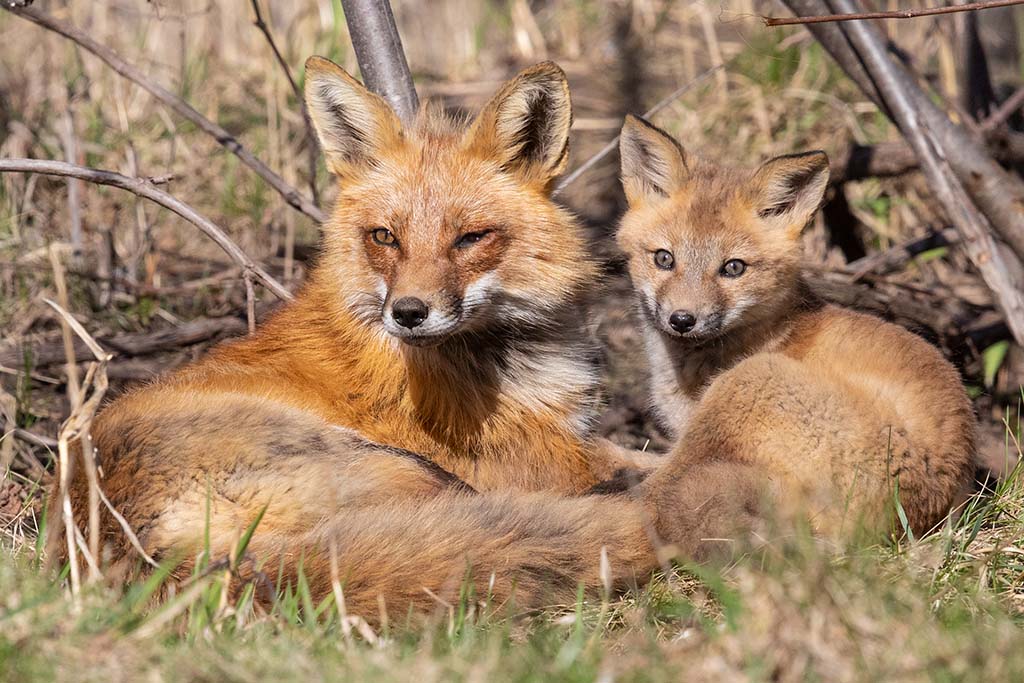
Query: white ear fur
(791, 189)
(352, 123)
(653, 163)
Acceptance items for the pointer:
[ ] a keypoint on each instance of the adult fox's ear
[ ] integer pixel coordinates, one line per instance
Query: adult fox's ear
(526, 124)
(789, 189)
(653, 163)
(352, 123)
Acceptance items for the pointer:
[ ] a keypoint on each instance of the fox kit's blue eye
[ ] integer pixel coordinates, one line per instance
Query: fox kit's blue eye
(733, 268)
(384, 237)
(470, 238)
(664, 259)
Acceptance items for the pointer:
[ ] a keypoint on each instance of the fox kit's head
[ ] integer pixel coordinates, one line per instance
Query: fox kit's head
(442, 227)
(712, 249)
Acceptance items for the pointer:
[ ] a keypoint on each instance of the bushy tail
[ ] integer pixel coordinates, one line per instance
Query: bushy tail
(527, 549)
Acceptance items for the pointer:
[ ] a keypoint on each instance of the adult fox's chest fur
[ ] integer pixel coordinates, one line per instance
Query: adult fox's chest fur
(495, 412)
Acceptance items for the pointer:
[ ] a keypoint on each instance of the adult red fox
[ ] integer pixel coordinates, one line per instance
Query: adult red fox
(837, 412)
(425, 403)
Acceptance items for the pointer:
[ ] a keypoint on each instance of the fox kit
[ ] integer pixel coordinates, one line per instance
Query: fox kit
(831, 408)
(422, 404)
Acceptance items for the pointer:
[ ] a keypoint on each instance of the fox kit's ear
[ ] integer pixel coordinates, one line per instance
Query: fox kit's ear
(526, 125)
(653, 163)
(352, 123)
(789, 190)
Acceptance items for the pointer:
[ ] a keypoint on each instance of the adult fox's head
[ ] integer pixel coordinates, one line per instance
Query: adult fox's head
(712, 249)
(444, 227)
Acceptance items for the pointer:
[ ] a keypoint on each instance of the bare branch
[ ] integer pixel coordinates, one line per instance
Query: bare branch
(896, 14)
(311, 144)
(984, 252)
(128, 345)
(998, 194)
(294, 198)
(898, 255)
(1004, 111)
(378, 47)
(142, 188)
(610, 147)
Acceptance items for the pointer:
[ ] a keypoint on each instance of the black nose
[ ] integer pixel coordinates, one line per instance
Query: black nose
(682, 321)
(409, 311)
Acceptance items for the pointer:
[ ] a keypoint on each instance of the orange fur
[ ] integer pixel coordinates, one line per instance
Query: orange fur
(352, 430)
(826, 409)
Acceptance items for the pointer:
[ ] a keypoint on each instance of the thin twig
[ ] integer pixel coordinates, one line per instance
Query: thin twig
(610, 147)
(896, 14)
(35, 439)
(143, 188)
(897, 255)
(291, 195)
(74, 202)
(1004, 111)
(250, 303)
(310, 140)
(262, 26)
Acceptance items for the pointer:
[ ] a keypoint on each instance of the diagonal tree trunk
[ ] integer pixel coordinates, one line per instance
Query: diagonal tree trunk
(998, 194)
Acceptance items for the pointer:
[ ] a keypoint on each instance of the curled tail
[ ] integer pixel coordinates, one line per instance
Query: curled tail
(527, 550)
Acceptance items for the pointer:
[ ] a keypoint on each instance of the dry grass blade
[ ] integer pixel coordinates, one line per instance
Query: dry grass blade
(8, 410)
(77, 426)
(71, 368)
(35, 439)
(128, 531)
(175, 103)
(142, 188)
(97, 350)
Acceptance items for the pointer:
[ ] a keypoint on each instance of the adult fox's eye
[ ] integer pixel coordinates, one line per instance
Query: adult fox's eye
(664, 259)
(384, 237)
(733, 267)
(470, 238)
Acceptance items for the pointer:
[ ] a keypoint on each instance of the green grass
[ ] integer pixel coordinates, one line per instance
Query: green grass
(944, 608)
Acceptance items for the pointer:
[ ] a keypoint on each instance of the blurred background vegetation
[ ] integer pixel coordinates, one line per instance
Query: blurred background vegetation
(137, 270)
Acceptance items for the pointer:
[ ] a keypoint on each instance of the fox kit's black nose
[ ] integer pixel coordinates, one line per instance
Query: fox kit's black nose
(682, 321)
(409, 311)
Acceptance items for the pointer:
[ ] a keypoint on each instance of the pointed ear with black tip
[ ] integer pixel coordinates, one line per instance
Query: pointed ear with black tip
(790, 189)
(526, 124)
(653, 163)
(352, 123)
